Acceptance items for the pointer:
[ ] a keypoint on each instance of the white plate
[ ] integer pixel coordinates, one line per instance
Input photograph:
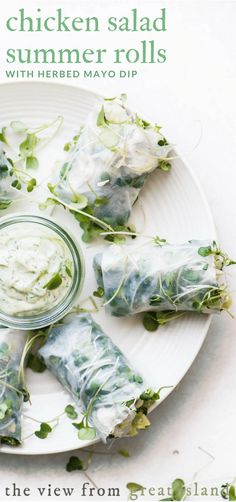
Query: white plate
(171, 205)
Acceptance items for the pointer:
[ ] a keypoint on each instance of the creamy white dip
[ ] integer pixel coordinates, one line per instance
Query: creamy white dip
(36, 269)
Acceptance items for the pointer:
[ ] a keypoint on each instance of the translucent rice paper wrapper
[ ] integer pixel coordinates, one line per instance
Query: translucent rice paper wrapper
(114, 154)
(7, 192)
(160, 278)
(94, 370)
(12, 344)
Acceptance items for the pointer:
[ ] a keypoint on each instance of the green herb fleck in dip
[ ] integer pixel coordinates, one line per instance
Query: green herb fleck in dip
(36, 269)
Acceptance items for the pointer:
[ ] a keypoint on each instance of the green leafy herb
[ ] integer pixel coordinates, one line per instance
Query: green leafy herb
(163, 142)
(5, 408)
(70, 144)
(18, 126)
(32, 162)
(90, 228)
(27, 146)
(99, 293)
(49, 202)
(118, 235)
(160, 242)
(150, 321)
(67, 147)
(205, 251)
(5, 204)
(26, 159)
(3, 171)
(101, 120)
(164, 165)
(85, 433)
(74, 464)
(52, 188)
(25, 393)
(44, 430)
(142, 123)
(54, 282)
(109, 99)
(31, 184)
(80, 200)
(100, 201)
(16, 184)
(3, 138)
(70, 411)
(221, 259)
(35, 363)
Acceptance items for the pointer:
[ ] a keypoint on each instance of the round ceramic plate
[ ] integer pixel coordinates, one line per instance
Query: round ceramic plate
(171, 205)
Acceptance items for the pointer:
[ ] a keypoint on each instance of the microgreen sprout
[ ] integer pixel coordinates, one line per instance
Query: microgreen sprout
(221, 258)
(17, 167)
(85, 433)
(3, 138)
(70, 412)
(99, 293)
(44, 430)
(152, 320)
(28, 346)
(35, 363)
(74, 464)
(70, 145)
(160, 242)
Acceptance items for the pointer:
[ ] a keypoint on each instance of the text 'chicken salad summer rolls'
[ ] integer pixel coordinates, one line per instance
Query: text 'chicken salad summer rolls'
(113, 397)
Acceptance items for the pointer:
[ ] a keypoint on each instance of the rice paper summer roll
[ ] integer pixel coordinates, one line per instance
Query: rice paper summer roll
(12, 344)
(163, 278)
(113, 397)
(109, 163)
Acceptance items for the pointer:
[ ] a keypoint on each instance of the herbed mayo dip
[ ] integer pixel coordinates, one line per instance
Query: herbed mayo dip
(36, 269)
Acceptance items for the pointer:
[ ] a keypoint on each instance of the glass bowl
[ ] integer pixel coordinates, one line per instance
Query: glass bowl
(21, 231)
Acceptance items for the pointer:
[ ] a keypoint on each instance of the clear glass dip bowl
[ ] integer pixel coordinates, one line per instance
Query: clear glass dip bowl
(29, 225)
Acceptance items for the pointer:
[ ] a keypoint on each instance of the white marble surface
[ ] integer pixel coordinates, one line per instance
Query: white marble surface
(194, 96)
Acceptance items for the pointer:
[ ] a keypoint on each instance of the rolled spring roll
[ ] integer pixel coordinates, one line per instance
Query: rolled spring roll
(99, 377)
(109, 164)
(162, 278)
(11, 398)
